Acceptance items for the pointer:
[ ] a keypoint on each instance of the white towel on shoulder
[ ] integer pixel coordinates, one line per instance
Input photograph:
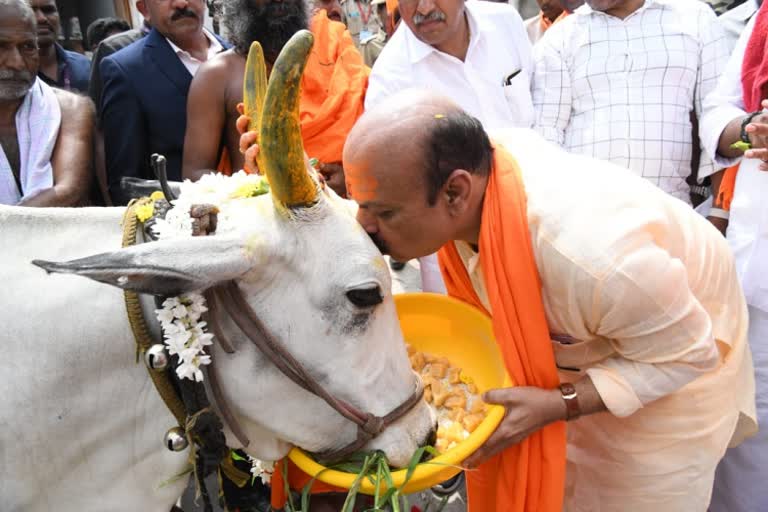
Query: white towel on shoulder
(37, 127)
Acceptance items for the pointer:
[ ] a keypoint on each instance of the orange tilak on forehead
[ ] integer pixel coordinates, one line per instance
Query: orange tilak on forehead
(361, 184)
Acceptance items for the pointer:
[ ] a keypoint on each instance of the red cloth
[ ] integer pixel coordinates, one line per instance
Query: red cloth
(754, 68)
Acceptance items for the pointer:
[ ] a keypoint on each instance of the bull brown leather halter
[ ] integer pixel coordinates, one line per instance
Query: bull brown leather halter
(229, 297)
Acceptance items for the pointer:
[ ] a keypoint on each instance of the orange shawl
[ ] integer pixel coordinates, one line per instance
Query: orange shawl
(529, 476)
(544, 22)
(332, 92)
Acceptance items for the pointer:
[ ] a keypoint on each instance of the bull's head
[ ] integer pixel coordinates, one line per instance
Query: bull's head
(316, 280)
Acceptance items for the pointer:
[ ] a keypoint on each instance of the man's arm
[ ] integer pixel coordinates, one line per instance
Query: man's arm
(551, 89)
(124, 126)
(206, 117)
(72, 158)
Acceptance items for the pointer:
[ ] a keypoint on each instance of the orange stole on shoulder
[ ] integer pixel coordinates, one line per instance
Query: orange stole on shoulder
(529, 476)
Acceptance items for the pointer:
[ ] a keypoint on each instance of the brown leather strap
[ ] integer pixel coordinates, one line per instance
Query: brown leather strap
(230, 298)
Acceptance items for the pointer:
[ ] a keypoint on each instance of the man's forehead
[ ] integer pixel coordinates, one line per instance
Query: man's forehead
(14, 25)
(42, 3)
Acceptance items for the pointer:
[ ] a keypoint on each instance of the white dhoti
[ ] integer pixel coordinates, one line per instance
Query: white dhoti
(741, 481)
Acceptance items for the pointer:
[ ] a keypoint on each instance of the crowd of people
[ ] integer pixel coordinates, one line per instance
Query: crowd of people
(592, 177)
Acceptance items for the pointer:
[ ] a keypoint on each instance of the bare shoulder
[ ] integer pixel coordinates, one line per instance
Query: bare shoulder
(222, 65)
(74, 106)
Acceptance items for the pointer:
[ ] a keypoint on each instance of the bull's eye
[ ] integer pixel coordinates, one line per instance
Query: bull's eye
(365, 297)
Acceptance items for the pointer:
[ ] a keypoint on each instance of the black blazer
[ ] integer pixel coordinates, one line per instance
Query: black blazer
(144, 108)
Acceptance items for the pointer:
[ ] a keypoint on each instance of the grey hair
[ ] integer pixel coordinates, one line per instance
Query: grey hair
(21, 5)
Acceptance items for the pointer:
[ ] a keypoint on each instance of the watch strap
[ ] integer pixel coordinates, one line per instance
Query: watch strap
(743, 135)
(571, 399)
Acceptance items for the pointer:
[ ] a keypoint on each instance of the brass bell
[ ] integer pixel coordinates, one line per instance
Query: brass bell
(175, 440)
(156, 357)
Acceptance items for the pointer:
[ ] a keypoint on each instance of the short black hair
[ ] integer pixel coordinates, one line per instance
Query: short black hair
(455, 140)
(99, 29)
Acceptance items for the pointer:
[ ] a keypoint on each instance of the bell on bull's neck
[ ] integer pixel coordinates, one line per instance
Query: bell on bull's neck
(176, 440)
(156, 357)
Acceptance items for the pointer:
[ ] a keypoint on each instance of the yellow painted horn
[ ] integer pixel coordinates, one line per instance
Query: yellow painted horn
(280, 140)
(254, 91)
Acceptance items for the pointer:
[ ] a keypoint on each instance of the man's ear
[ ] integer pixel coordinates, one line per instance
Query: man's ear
(167, 267)
(142, 8)
(458, 189)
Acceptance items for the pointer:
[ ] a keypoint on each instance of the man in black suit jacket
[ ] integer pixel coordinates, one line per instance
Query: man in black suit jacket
(144, 97)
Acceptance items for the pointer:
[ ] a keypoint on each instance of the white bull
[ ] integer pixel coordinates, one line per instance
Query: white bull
(81, 423)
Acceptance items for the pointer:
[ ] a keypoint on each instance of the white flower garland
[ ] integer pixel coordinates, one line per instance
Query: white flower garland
(262, 469)
(184, 334)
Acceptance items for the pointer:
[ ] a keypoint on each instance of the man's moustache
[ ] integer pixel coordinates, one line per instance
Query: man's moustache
(15, 76)
(183, 13)
(418, 19)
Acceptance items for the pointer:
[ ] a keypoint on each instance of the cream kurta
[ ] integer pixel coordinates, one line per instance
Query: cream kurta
(646, 286)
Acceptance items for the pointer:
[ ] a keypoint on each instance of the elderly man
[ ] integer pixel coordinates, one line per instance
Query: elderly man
(616, 308)
(476, 53)
(45, 133)
(620, 80)
(58, 67)
(596, 281)
(144, 96)
(333, 87)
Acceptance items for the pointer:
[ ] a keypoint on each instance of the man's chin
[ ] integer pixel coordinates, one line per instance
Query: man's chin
(13, 92)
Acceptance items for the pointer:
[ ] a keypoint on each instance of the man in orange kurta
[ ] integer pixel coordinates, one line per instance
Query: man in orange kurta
(605, 287)
(333, 89)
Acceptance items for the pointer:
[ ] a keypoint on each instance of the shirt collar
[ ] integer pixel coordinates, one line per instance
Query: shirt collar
(478, 26)
(214, 45)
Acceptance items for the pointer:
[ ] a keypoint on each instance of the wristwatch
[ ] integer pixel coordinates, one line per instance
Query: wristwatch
(571, 399)
(743, 135)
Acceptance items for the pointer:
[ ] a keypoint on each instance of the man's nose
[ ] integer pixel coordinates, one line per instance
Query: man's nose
(180, 4)
(40, 17)
(425, 7)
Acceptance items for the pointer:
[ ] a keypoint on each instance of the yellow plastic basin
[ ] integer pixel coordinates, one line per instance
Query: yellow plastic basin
(442, 326)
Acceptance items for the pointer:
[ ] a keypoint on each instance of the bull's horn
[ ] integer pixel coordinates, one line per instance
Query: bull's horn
(254, 91)
(280, 132)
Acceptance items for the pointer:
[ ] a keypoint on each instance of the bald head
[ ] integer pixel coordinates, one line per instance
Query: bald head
(420, 125)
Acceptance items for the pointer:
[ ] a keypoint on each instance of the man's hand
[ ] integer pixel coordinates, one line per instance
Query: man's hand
(757, 131)
(248, 146)
(334, 177)
(528, 409)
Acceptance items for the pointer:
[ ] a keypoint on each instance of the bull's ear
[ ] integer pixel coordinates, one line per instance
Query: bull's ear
(167, 267)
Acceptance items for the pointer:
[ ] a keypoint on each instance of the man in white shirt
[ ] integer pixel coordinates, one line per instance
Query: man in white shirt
(620, 79)
(144, 97)
(476, 53)
(740, 480)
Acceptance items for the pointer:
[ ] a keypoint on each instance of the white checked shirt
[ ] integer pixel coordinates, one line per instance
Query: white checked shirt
(498, 47)
(623, 90)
